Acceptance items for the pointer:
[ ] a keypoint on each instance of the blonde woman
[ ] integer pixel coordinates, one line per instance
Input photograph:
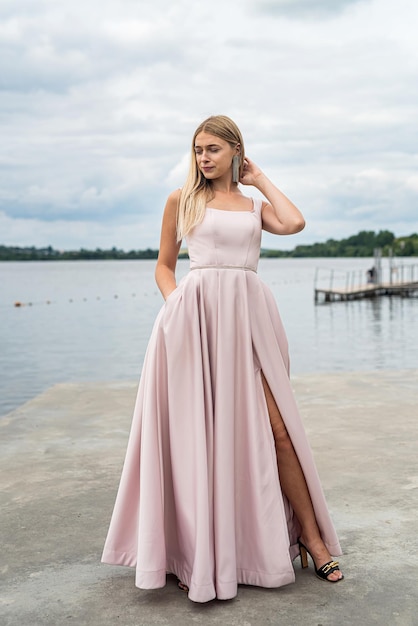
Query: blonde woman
(219, 486)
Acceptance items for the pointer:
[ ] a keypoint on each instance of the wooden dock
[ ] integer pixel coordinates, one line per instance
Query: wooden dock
(404, 290)
(345, 286)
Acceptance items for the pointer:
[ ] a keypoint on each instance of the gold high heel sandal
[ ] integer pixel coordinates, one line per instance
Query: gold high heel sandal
(322, 572)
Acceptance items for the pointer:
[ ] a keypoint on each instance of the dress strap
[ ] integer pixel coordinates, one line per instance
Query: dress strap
(257, 204)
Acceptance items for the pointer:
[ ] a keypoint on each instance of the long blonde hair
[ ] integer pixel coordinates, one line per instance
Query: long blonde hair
(197, 190)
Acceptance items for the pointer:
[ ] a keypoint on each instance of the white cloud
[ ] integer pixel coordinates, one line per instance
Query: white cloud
(178, 173)
(99, 102)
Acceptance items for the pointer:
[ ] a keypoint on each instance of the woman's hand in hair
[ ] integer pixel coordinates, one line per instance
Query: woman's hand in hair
(250, 173)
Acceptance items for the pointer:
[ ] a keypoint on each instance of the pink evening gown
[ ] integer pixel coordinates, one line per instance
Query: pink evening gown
(200, 495)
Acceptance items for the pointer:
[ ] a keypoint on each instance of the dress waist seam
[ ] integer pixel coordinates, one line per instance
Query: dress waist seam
(247, 268)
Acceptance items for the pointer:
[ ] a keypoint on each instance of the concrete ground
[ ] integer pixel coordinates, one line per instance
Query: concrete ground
(60, 463)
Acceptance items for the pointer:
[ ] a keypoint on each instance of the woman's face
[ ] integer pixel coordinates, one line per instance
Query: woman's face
(213, 155)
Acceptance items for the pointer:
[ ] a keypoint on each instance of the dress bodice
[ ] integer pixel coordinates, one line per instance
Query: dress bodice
(227, 238)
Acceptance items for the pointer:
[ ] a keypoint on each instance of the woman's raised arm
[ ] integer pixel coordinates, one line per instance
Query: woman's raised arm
(280, 216)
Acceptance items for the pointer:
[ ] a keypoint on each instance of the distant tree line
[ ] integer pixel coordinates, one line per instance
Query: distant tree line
(360, 245)
(14, 253)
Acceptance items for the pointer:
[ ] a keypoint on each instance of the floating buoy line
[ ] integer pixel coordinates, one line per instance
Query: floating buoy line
(19, 304)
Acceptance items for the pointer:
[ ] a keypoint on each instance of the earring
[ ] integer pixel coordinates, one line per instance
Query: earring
(236, 162)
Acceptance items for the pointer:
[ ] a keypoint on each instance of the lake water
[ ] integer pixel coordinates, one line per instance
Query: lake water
(91, 321)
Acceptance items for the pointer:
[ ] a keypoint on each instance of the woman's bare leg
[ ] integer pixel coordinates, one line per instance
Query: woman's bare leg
(294, 486)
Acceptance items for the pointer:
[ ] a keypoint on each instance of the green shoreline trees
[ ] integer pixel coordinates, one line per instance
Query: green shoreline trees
(360, 245)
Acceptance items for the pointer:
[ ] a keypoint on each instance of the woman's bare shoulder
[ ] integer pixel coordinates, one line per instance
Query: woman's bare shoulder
(174, 196)
(173, 200)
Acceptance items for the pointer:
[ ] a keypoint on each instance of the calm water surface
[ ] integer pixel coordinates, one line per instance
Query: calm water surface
(100, 314)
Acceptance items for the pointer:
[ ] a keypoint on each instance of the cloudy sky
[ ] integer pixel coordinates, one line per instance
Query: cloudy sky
(99, 100)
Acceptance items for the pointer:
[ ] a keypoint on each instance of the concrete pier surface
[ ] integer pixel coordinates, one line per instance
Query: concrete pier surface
(60, 464)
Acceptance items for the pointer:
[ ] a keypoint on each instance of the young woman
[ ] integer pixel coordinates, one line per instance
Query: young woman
(219, 486)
